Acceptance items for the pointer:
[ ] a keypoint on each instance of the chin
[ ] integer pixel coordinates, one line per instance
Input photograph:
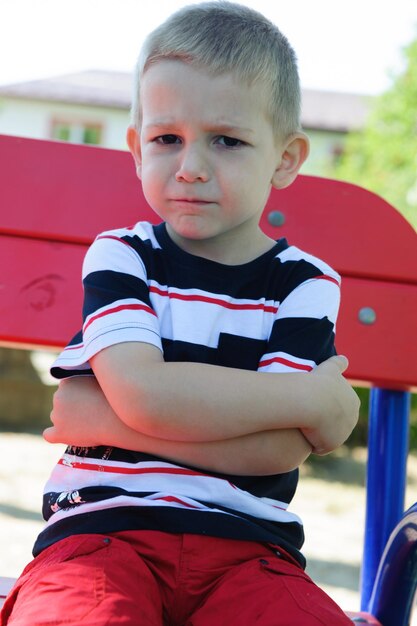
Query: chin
(193, 235)
(193, 232)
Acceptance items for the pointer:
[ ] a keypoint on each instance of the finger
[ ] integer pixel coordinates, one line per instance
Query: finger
(341, 362)
(320, 451)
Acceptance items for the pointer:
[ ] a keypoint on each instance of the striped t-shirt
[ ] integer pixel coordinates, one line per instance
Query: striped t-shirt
(273, 314)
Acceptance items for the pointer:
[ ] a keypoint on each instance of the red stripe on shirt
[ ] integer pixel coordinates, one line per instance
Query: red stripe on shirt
(115, 238)
(112, 469)
(217, 301)
(79, 346)
(116, 309)
(329, 278)
(278, 359)
(173, 499)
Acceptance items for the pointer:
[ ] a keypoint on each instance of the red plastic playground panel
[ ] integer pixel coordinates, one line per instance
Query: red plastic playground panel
(66, 192)
(50, 213)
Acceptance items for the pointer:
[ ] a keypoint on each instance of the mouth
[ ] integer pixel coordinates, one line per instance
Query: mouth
(191, 201)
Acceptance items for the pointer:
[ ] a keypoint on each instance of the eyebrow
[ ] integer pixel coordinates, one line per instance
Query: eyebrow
(220, 127)
(232, 128)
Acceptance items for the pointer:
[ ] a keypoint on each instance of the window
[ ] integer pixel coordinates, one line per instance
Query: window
(76, 131)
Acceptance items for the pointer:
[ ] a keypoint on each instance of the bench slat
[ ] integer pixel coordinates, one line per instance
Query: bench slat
(41, 306)
(6, 584)
(68, 192)
(41, 292)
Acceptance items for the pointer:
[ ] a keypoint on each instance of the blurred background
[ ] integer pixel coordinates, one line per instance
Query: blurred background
(65, 75)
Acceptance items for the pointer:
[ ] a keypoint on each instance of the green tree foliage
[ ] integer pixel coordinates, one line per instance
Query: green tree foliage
(383, 156)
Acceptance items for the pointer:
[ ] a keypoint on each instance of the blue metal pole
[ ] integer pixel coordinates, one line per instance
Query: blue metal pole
(386, 478)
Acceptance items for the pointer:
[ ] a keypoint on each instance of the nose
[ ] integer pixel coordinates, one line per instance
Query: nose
(193, 165)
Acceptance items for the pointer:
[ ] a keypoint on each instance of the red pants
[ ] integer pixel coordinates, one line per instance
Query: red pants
(152, 579)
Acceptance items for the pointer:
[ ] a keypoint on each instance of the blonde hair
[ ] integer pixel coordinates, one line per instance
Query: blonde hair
(222, 37)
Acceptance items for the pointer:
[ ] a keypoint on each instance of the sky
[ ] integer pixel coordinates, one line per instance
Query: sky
(352, 46)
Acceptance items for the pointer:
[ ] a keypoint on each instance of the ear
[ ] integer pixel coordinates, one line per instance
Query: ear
(293, 154)
(133, 141)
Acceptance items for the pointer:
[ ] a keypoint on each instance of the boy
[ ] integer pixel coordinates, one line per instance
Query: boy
(170, 506)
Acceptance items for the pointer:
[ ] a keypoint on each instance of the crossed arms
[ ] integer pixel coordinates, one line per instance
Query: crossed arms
(220, 419)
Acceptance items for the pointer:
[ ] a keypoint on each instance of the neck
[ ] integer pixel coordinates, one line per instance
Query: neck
(227, 249)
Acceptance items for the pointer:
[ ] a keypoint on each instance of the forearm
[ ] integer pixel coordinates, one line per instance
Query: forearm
(257, 454)
(263, 453)
(199, 402)
(83, 417)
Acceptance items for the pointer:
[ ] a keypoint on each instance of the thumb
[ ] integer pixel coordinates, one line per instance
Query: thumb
(341, 362)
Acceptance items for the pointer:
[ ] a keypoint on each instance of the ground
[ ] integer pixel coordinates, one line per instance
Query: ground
(330, 500)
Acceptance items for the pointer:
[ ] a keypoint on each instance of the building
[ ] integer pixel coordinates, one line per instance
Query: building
(93, 107)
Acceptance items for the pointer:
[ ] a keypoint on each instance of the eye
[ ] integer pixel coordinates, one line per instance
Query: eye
(229, 142)
(167, 140)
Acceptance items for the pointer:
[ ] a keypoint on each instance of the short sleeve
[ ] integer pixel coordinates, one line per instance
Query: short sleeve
(116, 306)
(303, 332)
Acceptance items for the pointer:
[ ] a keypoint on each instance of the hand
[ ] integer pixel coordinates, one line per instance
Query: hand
(79, 410)
(339, 407)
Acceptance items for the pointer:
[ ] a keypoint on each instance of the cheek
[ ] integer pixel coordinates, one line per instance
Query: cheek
(150, 187)
(252, 193)
(231, 180)
(151, 176)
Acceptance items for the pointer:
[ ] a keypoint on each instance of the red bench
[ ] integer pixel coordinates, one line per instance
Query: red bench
(56, 197)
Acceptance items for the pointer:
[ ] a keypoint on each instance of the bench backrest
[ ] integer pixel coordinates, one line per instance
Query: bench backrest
(55, 197)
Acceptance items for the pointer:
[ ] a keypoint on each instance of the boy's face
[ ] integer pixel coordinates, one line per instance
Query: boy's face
(207, 157)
